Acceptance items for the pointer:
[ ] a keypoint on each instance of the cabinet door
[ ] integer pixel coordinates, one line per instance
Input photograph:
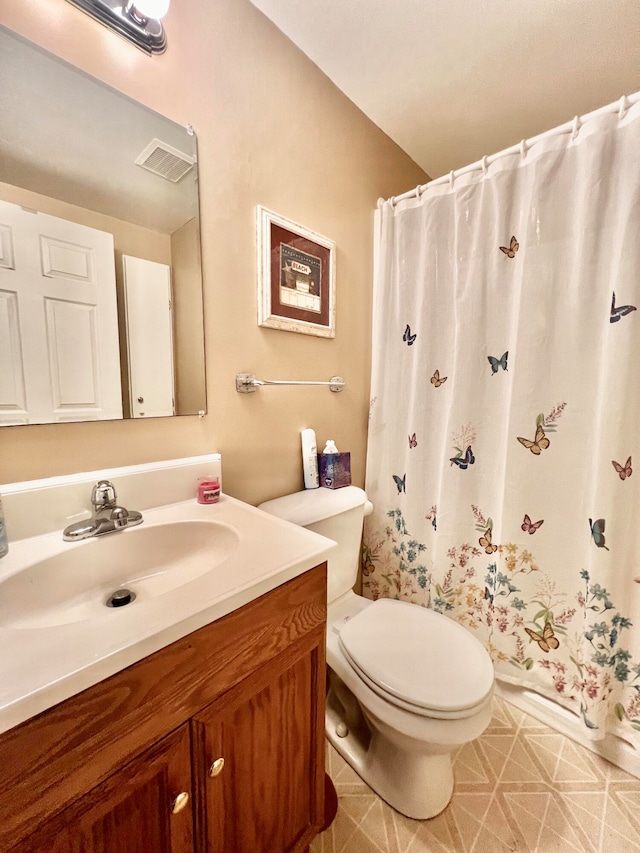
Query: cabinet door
(269, 730)
(132, 811)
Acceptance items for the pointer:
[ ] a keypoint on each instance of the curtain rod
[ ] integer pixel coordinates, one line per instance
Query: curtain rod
(621, 106)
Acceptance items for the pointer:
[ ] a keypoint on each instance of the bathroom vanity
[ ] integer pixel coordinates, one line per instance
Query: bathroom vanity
(190, 720)
(214, 743)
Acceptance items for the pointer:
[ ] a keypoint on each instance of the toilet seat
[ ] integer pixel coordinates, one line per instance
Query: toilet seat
(418, 660)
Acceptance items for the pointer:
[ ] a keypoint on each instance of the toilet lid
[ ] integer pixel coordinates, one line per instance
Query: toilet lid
(418, 656)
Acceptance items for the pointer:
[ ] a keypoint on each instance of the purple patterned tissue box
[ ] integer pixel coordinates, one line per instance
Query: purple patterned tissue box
(334, 470)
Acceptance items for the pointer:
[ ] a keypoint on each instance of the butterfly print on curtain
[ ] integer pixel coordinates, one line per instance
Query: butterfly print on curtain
(529, 527)
(497, 363)
(546, 639)
(400, 482)
(485, 527)
(625, 470)
(486, 543)
(597, 532)
(464, 459)
(620, 311)
(436, 380)
(408, 337)
(462, 443)
(543, 422)
(511, 250)
(539, 443)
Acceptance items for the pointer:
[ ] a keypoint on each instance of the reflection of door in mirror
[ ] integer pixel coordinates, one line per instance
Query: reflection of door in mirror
(58, 320)
(147, 289)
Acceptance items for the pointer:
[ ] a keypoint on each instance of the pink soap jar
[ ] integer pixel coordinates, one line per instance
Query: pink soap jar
(208, 490)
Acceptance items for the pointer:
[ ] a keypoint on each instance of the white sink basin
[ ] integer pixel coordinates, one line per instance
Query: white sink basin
(150, 560)
(187, 563)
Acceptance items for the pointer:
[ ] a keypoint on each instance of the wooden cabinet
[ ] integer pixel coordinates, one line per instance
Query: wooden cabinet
(100, 773)
(136, 810)
(260, 798)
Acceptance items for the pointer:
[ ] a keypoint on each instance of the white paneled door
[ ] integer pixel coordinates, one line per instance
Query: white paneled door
(147, 287)
(59, 352)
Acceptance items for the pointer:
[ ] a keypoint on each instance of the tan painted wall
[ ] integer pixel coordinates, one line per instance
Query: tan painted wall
(272, 130)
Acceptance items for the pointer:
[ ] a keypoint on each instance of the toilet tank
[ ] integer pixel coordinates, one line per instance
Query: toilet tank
(337, 514)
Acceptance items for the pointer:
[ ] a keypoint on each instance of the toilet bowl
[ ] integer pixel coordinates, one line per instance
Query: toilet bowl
(404, 753)
(407, 686)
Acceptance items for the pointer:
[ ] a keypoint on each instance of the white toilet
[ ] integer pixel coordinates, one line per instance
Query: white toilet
(407, 685)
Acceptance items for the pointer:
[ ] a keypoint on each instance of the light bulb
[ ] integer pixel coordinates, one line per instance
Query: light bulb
(155, 9)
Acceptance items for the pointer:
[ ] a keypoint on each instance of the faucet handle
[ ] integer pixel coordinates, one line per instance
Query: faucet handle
(120, 517)
(103, 494)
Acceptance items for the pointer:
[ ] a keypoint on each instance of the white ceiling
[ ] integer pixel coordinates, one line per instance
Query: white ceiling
(452, 80)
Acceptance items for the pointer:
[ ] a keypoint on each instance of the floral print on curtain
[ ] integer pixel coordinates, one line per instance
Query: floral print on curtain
(505, 415)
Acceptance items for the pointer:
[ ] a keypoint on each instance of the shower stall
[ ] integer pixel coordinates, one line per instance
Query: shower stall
(505, 404)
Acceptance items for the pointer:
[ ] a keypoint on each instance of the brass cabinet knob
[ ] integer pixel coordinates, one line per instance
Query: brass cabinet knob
(216, 767)
(180, 802)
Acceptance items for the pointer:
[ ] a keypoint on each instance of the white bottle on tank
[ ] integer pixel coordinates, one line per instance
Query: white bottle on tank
(310, 459)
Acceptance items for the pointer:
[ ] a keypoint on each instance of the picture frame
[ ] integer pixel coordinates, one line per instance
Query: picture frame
(296, 277)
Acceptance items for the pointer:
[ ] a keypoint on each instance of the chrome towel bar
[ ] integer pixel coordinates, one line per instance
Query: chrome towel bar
(247, 382)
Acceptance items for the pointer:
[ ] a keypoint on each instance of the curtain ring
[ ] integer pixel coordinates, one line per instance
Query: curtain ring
(392, 202)
(380, 203)
(483, 163)
(452, 175)
(576, 127)
(623, 107)
(419, 190)
(523, 148)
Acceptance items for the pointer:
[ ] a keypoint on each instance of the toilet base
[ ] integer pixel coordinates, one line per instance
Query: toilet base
(417, 781)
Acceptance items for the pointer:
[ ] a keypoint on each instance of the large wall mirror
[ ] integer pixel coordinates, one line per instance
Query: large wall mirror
(101, 311)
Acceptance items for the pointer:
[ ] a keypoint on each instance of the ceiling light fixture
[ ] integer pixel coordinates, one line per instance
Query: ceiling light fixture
(136, 20)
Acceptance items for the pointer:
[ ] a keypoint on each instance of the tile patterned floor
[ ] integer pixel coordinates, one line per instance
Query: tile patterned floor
(520, 787)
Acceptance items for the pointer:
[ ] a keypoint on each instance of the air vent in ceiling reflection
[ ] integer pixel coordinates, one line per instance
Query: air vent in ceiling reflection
(164, 160)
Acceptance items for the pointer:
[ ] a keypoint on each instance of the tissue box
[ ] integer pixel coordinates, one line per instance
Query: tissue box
(334, 470)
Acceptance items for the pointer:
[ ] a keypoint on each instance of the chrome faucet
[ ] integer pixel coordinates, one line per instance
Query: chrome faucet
(107, 515)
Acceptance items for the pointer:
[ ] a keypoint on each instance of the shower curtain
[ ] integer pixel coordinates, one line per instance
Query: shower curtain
(505, 414)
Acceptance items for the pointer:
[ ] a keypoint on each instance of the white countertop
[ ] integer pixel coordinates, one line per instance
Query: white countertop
(42, 666)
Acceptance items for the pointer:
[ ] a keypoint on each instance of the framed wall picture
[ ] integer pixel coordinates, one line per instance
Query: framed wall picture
(296, 277)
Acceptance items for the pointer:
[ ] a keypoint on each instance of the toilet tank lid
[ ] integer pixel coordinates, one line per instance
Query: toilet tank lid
(313, 505)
